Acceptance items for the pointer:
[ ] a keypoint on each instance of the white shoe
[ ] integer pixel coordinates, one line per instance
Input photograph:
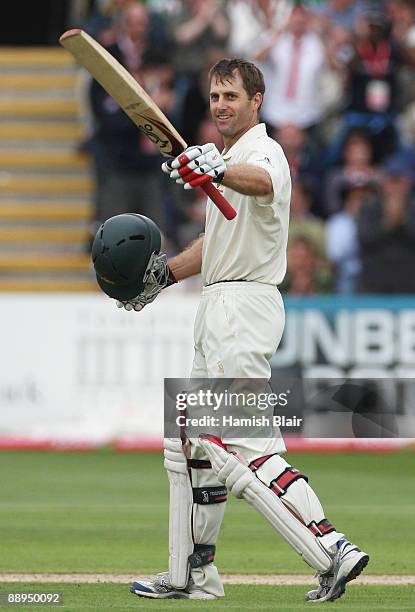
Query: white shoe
(160, 588)
(348, 563)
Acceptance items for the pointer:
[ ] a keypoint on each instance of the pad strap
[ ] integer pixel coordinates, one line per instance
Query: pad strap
(199, 464)
(256, 463)
(209, 495)
(280, 484)
(322, 528)
(202, 555)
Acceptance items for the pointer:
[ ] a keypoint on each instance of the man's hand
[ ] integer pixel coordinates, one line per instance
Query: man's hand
(196, 166)
(133, 304)
(151, 290)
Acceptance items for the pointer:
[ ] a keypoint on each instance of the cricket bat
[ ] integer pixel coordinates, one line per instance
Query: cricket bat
(134, 100)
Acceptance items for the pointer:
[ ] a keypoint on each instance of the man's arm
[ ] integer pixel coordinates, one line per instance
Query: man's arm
(201, 164)
(189, 262)
(248, 179)
(186, 264)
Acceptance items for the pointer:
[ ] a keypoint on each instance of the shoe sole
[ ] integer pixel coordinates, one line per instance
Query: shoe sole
(174, 595)
(339, 587)
(147, 595)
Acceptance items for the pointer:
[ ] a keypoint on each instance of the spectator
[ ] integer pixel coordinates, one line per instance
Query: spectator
(372, 86)
(197, 27)
(294, 63)
(195, 103)
(104, 24)
(357, 158)
(303, 222)
(127, 164)
(103, 20)
(305, 276)
(342, 243)
(253, 22)
(302, 154)
(386, 230)
(132, 39)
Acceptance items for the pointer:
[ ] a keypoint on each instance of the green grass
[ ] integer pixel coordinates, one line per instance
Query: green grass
(261, 598)
(108, 512)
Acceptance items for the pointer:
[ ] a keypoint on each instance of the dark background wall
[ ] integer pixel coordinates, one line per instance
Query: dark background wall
(36, 22)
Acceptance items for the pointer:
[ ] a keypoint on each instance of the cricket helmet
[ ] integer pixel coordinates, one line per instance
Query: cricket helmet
(125, 254)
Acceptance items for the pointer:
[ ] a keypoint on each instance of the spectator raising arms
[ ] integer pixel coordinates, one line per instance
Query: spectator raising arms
(198, 26)
(252, 23)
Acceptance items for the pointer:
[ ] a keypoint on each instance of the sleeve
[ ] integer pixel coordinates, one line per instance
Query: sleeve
(270, 163)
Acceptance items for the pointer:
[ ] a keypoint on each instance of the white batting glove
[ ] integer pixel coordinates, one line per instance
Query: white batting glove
(133, 304)
(155, 283)
(196, 166)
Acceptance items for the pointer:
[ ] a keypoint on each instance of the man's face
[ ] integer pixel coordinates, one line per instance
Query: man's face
(135, 21)
(299, 22)
(232, 111)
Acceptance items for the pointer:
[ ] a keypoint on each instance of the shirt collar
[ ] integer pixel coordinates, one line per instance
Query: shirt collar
(253, 133)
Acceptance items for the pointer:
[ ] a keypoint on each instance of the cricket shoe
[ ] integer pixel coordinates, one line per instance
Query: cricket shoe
(348, 563)
(160, 588)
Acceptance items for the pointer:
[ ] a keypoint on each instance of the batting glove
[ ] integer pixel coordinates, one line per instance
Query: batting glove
(156, 282)
(196, 166)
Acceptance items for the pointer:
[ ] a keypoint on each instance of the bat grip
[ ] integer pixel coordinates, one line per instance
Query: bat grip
(218, 199)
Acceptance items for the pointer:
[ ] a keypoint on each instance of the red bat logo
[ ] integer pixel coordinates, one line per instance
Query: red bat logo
(152, 129)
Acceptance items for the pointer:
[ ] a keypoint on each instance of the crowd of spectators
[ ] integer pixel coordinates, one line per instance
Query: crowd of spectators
(340, 100)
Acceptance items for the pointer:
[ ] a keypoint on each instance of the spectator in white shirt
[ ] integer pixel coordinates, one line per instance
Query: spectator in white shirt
(294, 63)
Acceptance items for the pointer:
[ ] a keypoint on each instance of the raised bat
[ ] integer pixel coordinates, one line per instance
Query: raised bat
(134, 100)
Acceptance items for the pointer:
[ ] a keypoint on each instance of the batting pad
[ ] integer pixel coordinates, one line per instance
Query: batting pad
(243, 483)
(292, 487)
(181, 501)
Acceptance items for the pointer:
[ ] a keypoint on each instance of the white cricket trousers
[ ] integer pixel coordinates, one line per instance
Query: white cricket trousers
(238, 328)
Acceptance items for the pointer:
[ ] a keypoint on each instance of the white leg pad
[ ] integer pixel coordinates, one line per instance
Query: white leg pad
(243, 483)
(181, 501)
(299, 496)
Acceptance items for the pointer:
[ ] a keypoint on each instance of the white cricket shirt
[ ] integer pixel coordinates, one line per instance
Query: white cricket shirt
(253, 245)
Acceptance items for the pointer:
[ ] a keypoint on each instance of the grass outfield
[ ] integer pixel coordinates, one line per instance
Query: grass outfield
(107, 513)
(262, 598)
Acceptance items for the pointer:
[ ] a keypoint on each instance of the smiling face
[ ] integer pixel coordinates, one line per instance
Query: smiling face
(233, 112)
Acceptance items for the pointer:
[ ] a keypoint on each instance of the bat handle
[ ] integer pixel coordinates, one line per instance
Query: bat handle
(216, 197)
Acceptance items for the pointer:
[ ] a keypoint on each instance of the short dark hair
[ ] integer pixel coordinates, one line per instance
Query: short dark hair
(252, 77)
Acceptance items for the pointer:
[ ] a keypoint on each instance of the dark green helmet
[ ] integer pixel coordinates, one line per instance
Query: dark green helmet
(124, 253)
